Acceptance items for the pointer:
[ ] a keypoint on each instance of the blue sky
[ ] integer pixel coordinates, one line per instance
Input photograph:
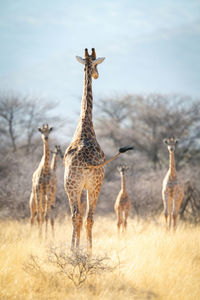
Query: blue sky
(150, 46)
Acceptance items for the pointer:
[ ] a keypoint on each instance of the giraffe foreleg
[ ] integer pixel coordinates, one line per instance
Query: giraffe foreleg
(52, 210)
(126, 213)
(167, 209)
(176, 207)
(47, 210)
(40, 210)
(79, 223)
(119, 219)
(33, 208)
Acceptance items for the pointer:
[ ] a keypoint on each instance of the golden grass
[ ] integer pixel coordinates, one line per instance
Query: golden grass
(149, 263)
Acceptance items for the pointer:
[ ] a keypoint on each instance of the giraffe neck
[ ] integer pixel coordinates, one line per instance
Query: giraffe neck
(85, 128)
(54, 162)
(123, 183)
(45, 157)
(172, 167)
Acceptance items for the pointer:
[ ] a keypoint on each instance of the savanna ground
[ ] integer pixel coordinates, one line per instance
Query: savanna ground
(149, 263)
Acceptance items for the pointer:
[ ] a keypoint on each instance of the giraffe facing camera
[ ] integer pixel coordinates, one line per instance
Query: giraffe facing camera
(172, 191)
(84, 159)
(123, 203)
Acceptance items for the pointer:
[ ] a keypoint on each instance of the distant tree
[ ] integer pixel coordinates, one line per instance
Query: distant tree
(19, 118)
(145, 120)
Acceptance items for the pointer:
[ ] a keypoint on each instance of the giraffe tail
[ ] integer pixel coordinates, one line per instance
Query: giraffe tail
(125, 148)
(121, 150)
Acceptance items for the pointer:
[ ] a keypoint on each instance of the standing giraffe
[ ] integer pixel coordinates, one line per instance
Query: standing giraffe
(40, 194)
(84, 158)
(123, 203)
(53, 186)
(172, 192)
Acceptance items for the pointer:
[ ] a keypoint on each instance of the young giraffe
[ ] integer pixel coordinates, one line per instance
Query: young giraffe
(53, 186)
(84, 158)
(123, 203)
(172, 192)
(40, 194)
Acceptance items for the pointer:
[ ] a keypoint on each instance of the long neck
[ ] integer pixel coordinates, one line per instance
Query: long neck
(87, 100)
(85, 127)
(46, 156)
(123, 182)
(54, 162)
(172, 167)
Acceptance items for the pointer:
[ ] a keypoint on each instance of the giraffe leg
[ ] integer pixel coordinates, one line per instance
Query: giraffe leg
(75, 214)
(175, 210)
(126, 213)
(119, 220)
(79, 223)
(93, 193)
(49, 199)
(52, 217)
(52, 211)
(73, 187)
(41, 211)
(167, 209)
(74, 199)
(38, 200)
(33, 208)
(89, 224)
(51, 208)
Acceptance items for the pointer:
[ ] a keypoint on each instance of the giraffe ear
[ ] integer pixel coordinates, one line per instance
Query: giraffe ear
(50, 129)
(39, 129)
(165, 142)
(99, 60)
(80, 59)
(176, 141)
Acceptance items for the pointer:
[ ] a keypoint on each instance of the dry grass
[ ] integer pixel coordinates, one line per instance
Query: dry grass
(149, 263)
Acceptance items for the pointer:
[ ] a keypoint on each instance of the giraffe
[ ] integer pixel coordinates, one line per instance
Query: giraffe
(172, 192)
(84, 158)
(53, 186)
(123, 203)
(40, 194)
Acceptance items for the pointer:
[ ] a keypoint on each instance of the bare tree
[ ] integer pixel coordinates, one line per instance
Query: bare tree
(147, 120)
(20, 116)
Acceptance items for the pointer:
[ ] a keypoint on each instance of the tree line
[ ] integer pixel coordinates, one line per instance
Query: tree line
(140, 120)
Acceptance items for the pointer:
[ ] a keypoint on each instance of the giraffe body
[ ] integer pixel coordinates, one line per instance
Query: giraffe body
(84, 159)
(83, 151)
(41, 182)
(122, 204)
(172, 191)
(53, 186)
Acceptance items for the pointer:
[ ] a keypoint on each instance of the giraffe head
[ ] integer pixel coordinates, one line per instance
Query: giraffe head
(58, 151)
(171, 143)
(91, 62)
(45, 131)
(122, 169)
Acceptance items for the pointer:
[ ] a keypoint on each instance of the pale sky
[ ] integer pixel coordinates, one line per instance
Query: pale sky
(149, 46)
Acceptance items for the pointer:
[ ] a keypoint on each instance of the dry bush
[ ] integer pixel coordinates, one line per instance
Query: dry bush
(77, 267)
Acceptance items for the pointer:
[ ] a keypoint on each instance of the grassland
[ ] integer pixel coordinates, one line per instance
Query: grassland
(149, 263)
